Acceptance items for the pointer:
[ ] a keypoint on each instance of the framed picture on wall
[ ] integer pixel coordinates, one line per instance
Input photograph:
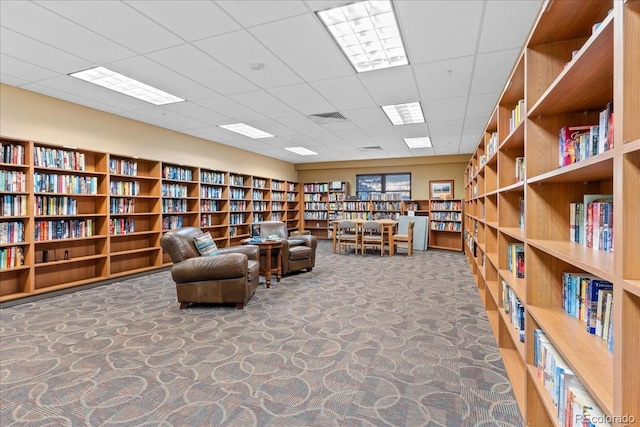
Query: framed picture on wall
(441, 189)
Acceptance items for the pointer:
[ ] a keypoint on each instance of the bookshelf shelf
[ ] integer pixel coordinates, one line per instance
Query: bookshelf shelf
(515, 368)
(577, 65)
(513, 334)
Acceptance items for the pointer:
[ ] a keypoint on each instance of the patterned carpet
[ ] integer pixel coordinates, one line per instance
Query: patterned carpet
(359, 341)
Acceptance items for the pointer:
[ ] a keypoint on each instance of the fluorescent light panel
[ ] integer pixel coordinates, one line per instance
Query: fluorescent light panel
(301, 151)
(247, 130)
(422, 142)
(126, 85)
(368, 34)
(404, 114)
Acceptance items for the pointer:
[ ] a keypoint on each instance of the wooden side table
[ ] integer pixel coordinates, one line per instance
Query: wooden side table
(269, 246)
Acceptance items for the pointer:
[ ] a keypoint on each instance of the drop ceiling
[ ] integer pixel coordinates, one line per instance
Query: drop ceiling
(460, 56)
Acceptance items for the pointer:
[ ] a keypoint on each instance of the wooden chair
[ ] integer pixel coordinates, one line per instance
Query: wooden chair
(347, 235)
(405, 239)
(372, 236)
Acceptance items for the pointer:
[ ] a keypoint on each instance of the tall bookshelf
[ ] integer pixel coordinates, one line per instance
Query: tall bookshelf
(577, 61)
(316, 208)
(70, 217)
(445, 224)
(134, 215)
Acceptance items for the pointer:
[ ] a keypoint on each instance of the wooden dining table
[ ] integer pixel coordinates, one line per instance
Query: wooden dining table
(387, 224)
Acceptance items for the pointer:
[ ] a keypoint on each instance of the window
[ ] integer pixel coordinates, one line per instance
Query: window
(388, 186)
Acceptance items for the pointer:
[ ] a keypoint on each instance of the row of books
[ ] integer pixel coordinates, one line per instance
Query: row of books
(237, 218)
(575, 406)
(208, 205)
(119, 205)
(517, 115)
(320, 215)
(515, 259)
(236, 193)
(492, 146)
(121, 226)
(11, 257)
(177, 173)
(208, 221)
(514, 309)
(174, 205)
(236, 180)
(13, 181)
(123, 167)
(591, 222)
(57, 158)
(55, 205)
(446, 226)
(211, 192)
(259, 183)
(277, 206)
(13, 205)
(124, 188)
(11, 232)
(446, 206)
(238, 205)
(175, 190)
(520, 169)
(260, 206)
(171, 222)
(12, 154)
(257, 195)
(63, 229)
(590, 299)
(278, 185)
(579, 142)
(311, 206)
(446, 216)
(207, 177)
(70, 184)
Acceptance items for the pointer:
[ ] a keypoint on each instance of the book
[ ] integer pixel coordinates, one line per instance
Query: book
(608, 311)
(601, 308)
(567, 142)
(594, 287)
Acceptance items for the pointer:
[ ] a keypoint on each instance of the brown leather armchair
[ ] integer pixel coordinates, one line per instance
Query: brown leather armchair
(298, 252)
(231, 277)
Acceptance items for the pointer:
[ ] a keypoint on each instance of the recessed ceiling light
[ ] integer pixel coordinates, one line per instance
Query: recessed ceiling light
(422, 142)
(368, 34)
(126, 85)
(404, 114)
(301, 151)
(246, 130)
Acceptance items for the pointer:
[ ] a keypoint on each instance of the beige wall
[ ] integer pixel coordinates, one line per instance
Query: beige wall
(30, 116)
(422, 169)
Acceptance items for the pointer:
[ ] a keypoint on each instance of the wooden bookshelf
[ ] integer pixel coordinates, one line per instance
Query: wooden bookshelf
(75, 217)
(567, 73)
(316, 208)
(445, 225)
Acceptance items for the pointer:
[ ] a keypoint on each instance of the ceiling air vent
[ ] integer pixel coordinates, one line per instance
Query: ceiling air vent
(326, 118)
(371, 148)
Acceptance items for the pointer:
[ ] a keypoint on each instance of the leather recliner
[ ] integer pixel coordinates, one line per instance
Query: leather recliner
(298, 252)
(231, 277)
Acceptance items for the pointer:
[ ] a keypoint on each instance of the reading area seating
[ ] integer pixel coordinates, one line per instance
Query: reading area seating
(298, 252)
(227, 276)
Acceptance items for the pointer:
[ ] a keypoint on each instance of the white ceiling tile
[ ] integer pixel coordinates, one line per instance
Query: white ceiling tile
(12, 80)
(475, 126)
(303, 98)
(481, 106)
(36, 52)
(198, 112)
(446, 149)
(85, 90)
(445, 79)
(437, 30)
(230, 108)
(36, 22)
(302, 124)
(355, 136)
(339, 126)
(469, 140)
(344, 92)
(402, 90)
(384, 133)
(303, 44)
(367, 117)
(412, 131)
(70, 97)
(448, 128)
(265, 103)
(254, 12)
(327, 138)
(273, 127)
(491, 71)
(116, 21)
(192, 63)
(161, 77)
(239, 49)
(444, 109)
(24, 70)
(514, 17)
(189, 19)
